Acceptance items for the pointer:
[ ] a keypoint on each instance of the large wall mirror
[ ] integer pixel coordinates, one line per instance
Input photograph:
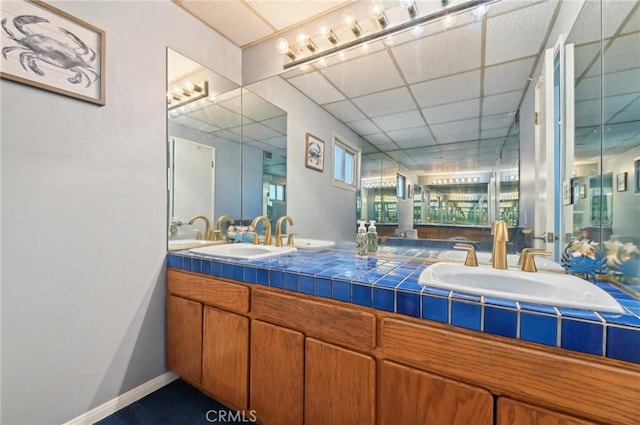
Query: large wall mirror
(226, 148)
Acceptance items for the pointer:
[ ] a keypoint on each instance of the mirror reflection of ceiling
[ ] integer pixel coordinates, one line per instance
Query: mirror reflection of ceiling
(230, 113)
(447, 100)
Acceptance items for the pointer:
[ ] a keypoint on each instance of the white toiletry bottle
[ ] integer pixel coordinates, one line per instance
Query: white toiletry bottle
(361, 241)
(372, 238)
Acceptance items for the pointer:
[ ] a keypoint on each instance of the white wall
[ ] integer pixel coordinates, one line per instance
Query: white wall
(318, 209)
(83, 194)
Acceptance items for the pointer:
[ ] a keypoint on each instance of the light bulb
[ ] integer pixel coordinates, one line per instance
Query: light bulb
(348, 18)
(416, 31)
(282, 45)
(189, 85)
(302, 37)
(406, 3)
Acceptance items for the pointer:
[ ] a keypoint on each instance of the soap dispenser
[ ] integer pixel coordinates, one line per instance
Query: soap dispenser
(361, 241)
(372, 238)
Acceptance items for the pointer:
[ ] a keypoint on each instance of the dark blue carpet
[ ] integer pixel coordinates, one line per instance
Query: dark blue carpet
(176, 404)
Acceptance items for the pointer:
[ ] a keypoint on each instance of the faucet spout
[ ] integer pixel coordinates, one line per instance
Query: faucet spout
(267, 227)
(500, 239)
(224, 218)
(207, 226)
(279, 234)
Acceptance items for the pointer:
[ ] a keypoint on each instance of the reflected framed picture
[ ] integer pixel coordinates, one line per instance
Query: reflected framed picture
(47, 48)
(621, 182)
(314, 152)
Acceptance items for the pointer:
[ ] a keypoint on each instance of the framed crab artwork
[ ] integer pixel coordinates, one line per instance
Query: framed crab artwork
(47, 48)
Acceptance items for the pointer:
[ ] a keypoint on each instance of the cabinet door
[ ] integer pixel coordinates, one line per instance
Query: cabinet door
(410, 396)
(184, 338)
(339, 385)
(277, 374)
(511, 412)
(225, 357)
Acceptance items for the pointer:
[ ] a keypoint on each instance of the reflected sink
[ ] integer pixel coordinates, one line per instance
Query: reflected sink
(555, 289)
(542, 263)
(304, 243)
(178, 244)
(243, 251)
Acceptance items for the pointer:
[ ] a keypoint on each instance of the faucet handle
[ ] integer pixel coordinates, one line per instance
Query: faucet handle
(525, 252)
(472, 258)
(529, 264)
(256, 238)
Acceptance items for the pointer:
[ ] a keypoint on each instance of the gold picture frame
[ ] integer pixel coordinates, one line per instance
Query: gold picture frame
(75, 63)
(314, 152)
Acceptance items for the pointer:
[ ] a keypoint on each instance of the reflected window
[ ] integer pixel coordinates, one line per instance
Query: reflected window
(401, 188)
(345, 164)
(276, 192)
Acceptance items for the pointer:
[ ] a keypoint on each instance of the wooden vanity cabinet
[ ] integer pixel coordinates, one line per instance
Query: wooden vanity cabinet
(340, 385)
(411, 396)
(511, 412)
(184, 337)
(276, 374)
(225, 357)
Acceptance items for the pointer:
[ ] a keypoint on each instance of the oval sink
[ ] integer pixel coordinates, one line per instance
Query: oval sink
(179, 244)
(243, 251)
(554, 289)
(542, 263)
(304, 243)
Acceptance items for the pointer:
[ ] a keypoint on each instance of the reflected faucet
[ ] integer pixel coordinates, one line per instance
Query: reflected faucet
(207, 226)
(217, 234)
(279, 234)
(267, 227)
(500, 239)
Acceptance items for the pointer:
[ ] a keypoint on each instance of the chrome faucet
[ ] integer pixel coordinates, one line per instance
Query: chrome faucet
(279, 234)
(500, 239)
(224, 218)
(267, 227)
(207, 226)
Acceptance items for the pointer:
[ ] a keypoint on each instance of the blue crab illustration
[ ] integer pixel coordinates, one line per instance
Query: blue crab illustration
(579, 261)
(40, 47)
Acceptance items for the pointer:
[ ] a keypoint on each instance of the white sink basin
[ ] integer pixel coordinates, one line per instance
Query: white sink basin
(243, 251)
(555, 289)
(178, 244)
(542, 263)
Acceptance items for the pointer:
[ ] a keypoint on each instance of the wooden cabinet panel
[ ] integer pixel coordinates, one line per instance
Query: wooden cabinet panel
(225, 357)
(208, 290)
(277, 374)
(184, 338)
(410, 397)
(339, 385)
(545, 374)
(511, 412)
(329, 322)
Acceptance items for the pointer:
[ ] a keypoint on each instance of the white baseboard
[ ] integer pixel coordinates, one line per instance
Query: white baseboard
(123, 400)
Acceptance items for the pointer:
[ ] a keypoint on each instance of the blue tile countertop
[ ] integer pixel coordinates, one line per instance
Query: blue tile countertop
(390, 283)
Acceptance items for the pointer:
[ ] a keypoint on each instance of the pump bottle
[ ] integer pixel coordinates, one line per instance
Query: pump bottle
(361, 241)
(372, 238)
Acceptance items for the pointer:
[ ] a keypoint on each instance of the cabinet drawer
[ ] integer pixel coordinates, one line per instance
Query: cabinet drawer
(209, 291)
(328, 322)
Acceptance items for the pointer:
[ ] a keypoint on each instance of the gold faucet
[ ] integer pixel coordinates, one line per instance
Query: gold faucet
(279, 234)
(267, 227)
(217, 234)
(528, 262)
(524, 253)
(472, 258)
(500, 239)
(207, 226)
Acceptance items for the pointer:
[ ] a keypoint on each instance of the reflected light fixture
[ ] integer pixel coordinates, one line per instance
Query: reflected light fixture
(282, 46)
(376, 12)
(411, 7)
(350, 21)
(186, 93)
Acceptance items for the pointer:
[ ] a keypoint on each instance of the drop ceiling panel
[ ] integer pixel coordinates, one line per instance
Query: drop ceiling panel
(518, 34)
(490, 122)
(462, 126)
(614, 14)
(381, 75)
(504, 6)
(379, 139)
(633, 24)
(279, 124)
(508, 76)
(621, 82)
(623, 54)
(588, 88)
(446, 90)
(195, 124)
(499, 103)
(345, 111)
(386, 102)
(217, 116)
(407, 134)
(459, 136)
(317, 88)
(496, 132)
(443, 54)
(584, 57)
(453, 111)
(399, 121)
(282, 14)
(258, 109)
(363, 127)
(233, 19)
(416, 143)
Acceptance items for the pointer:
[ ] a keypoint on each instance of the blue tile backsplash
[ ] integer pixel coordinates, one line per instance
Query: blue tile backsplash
(391, 284)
